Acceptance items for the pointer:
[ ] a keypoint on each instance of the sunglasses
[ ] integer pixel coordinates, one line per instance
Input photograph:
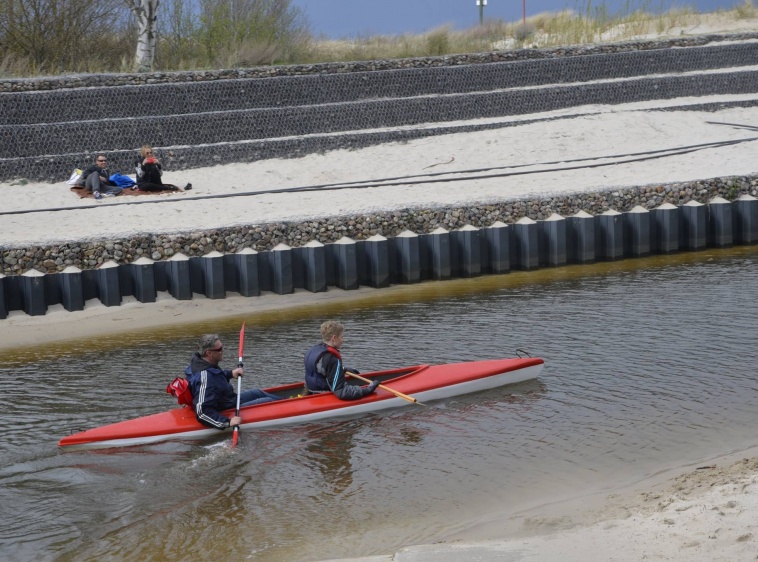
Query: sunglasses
(102, 160)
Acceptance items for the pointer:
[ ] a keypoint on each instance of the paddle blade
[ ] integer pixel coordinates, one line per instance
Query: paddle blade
(235, 436)
(242, 343)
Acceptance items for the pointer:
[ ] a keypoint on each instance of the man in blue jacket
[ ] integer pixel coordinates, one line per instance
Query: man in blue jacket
(211, 388)
(324, 370)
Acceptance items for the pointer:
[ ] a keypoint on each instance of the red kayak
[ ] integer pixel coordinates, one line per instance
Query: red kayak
(399, 387)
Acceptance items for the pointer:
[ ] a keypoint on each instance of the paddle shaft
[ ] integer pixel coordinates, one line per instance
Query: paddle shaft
(236, 433)
(388, 389)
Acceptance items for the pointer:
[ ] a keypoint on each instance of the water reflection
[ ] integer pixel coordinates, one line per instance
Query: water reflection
(646, 367)
(328, 451)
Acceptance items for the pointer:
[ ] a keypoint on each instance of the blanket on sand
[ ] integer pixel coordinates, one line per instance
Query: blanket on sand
(84, 193)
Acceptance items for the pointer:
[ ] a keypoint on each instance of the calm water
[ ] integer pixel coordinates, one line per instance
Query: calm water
(650, 364)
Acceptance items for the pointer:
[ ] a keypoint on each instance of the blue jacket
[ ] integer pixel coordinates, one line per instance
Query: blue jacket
(211, 391)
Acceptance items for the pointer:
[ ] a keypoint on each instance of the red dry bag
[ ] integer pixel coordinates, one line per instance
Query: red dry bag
(180, 388)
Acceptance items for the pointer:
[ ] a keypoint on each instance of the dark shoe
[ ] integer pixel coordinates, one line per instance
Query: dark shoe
(188, 187)
(97, 195)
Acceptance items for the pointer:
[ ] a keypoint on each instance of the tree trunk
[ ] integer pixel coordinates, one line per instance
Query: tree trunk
(146, 13)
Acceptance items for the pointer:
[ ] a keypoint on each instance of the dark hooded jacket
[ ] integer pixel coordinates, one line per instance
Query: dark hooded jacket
(211, 391)
(148, 173)
(95, 169)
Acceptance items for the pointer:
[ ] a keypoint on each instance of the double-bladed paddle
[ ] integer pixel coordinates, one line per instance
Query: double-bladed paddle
(235, 435)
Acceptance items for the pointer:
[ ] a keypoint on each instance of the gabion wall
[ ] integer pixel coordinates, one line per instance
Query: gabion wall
(46, 133)
(147, 100)
(263, 237)
(242, 125)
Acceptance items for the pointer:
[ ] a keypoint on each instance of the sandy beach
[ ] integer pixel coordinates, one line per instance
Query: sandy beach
(580, 149)
(705, 512)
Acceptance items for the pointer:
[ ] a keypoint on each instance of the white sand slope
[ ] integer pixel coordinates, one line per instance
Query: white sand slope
(549, 156)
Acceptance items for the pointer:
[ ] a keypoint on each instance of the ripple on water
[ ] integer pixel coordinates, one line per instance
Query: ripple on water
(647, 366)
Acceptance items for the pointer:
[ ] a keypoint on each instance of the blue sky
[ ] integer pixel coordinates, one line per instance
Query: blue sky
(348, 18)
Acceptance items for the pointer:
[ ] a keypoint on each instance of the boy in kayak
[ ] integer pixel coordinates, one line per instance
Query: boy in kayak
(211, 388)
(324, 370)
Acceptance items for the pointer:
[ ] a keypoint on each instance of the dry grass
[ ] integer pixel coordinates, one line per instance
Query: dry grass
(589, 25)
(746, 10)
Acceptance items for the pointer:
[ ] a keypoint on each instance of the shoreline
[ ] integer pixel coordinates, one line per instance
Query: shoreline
(99, 322)
(700, 511)
(59, 328)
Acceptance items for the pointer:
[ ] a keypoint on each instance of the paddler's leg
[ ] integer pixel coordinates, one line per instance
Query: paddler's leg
(256, 396)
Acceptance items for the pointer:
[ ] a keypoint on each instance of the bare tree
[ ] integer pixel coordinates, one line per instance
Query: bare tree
(177, 24)
(244, 32)
(55, 34)
(146, 12)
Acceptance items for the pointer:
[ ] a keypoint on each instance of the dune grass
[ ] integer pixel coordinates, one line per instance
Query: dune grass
(586, 24)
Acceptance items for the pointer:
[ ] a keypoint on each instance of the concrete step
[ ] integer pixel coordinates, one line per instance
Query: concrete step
(275, 123)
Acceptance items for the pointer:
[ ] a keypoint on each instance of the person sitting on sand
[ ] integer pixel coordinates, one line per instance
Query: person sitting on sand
(149, 172)
(324, 370)
(96, 179)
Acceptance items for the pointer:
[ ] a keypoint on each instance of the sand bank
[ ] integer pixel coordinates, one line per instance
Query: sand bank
(704, 512)
(583, 149)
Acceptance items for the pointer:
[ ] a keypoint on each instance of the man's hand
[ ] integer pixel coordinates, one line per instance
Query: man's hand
(236, 420)
(238, 372)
